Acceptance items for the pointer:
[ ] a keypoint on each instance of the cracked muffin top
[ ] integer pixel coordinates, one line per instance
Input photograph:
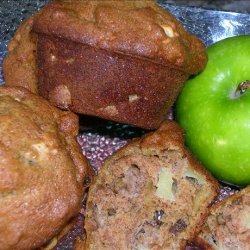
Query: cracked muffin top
(42, 169)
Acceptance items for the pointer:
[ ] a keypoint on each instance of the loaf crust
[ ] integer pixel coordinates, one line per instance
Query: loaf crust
(42, 171)
(228, 224)
(136, 28)
(116, 87)
(124, 61)
(152, 194)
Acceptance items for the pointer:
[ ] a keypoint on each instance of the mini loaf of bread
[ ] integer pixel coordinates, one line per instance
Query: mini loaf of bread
(152, 194)
(42, 170)
(228, 225)
(124, 61)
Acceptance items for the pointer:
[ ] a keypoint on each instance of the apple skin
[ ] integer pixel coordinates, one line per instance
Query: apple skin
(216, 117)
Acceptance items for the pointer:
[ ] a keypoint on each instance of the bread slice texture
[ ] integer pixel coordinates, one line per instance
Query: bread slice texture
(228, 224)
(152, 194)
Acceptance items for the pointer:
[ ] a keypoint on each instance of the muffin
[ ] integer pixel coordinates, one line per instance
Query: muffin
(152, 194)
(43, 172)
(228, 224)
(124, 61)
(19, 66)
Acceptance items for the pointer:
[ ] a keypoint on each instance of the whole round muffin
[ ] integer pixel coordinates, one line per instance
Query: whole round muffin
(42, 169)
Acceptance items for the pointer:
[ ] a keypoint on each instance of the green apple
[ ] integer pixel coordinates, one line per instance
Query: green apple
(214, 110)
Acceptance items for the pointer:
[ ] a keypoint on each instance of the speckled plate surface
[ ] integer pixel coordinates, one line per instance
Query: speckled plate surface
(103, 139)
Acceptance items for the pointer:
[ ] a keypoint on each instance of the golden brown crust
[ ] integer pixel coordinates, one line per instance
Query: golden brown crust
(53, 243)
(126, 208)
(228, 224)
(116, 87)
(137, 28)
(127, 66)
(19, 66)
(42, 169)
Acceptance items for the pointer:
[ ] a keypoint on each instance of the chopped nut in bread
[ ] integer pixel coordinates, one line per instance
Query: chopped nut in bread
(151, 194)
(228, 224)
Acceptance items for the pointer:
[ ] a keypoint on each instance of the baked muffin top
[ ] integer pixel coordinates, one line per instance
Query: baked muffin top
(42, 169)
(136, 28)
(19, 65)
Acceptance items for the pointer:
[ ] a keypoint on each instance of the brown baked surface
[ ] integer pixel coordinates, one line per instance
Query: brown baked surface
(42, 170)
(152, 194)
(228, 224)
(124, 61)
(19, 66)
(137, 28)
(108, 85)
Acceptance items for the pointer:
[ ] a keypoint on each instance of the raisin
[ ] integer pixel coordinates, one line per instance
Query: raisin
(174, 186)
(192, 180)
(179, 226)
(111, 211)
